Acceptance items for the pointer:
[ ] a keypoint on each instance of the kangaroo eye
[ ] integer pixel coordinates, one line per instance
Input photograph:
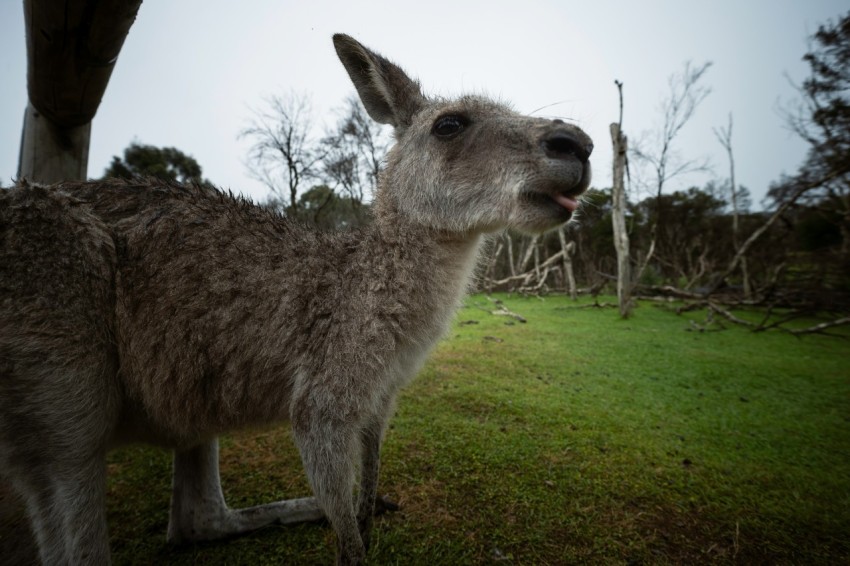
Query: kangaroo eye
(449, 126)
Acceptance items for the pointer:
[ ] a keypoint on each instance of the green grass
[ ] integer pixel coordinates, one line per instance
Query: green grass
(574, 438)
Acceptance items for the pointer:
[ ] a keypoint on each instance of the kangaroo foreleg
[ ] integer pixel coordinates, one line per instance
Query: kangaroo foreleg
(370, 438)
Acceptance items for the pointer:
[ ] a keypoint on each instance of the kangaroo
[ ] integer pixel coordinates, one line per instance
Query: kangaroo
(148, 311)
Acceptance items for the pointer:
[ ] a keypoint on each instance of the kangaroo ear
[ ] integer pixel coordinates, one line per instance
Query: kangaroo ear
(387, 93)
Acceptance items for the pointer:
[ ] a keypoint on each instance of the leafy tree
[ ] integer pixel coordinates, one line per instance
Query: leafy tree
(322, 207)
(167, 163)
(822, 118)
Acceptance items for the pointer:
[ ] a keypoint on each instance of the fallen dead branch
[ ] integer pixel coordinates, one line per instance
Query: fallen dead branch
(715, 308)
(531, 280)
(819, 328)
(501, 310)
(505, 312)
(594, 305)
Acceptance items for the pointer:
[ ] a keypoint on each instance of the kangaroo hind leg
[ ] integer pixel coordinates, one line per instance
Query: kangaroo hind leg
(198, 508)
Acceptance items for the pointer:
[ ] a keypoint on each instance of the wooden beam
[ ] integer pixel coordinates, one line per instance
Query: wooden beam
(72, 47)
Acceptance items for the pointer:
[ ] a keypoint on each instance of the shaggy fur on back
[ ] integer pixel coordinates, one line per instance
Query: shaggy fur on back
(224, 344)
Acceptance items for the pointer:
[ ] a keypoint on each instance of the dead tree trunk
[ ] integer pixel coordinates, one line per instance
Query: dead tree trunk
(491, 268)
(569, 276)
(529, 253)
(618, 213)
(686, 94)
(510, 244)
(724, 136)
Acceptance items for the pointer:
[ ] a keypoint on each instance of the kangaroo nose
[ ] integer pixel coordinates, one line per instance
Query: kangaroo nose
(561, 145)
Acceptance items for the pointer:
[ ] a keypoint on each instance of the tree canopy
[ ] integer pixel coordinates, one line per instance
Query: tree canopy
(167, 163)
(822, 118)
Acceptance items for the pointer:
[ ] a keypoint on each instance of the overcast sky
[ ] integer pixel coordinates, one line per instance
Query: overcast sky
(191, 70)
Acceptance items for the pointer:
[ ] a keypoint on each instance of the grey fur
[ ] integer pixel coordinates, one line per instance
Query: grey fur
(148, 311)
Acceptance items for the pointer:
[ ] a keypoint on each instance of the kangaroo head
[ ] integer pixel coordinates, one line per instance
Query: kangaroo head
(469, 165)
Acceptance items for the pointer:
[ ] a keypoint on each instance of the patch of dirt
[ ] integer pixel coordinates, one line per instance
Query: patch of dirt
(686, 536)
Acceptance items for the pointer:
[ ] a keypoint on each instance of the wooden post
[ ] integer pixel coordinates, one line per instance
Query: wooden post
(50, 153)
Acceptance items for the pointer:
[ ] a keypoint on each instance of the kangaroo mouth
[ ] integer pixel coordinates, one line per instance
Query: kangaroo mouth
(567, 201)
(559, 201)
(555, 195)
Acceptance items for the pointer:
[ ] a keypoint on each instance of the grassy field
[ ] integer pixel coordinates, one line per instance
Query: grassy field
(574, 438)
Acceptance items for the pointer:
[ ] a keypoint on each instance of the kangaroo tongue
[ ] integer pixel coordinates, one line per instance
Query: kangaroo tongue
(569, 203)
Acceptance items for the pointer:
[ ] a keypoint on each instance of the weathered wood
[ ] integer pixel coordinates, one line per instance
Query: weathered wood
(819, 328)
(569, 277)
(724, 136)
(618, 219)
(618, 211)
(72, 47)
(510, 245)
(529, 253)
(49, 153)
(528, 275)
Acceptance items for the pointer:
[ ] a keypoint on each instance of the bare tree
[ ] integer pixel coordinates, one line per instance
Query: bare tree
(353, 153)
(686, 94)
(724, 136)
(618, 211)
(284, 154)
